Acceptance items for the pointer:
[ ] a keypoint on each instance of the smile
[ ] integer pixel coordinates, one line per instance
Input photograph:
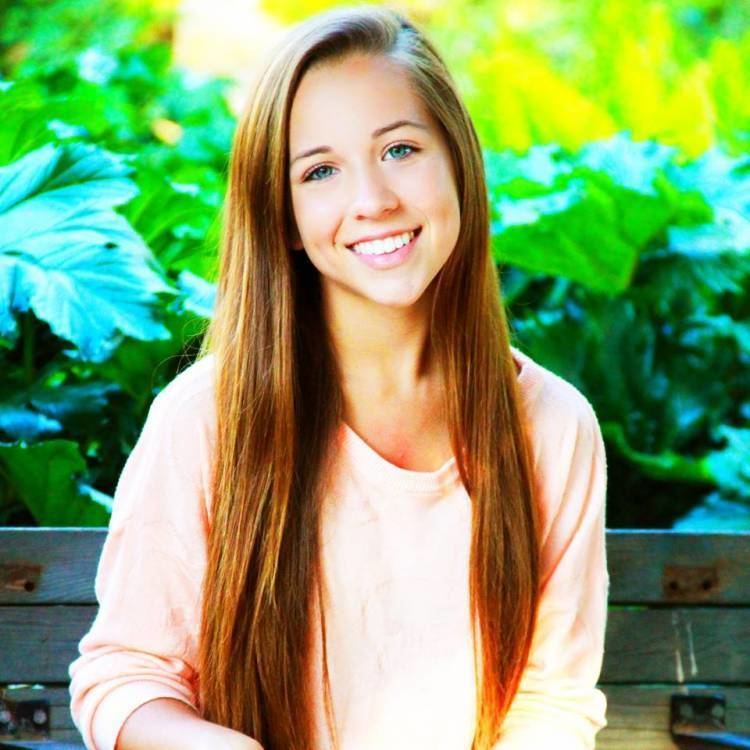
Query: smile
(384, 246)
(387, 253)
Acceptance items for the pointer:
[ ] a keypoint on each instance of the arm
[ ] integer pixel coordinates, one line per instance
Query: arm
(166, 724)
(143, 644)
(558, 704)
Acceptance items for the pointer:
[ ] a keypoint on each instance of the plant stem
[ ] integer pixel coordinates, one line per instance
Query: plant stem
(27, 336)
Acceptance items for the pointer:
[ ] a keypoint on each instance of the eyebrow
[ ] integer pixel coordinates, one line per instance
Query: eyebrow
(375, 134)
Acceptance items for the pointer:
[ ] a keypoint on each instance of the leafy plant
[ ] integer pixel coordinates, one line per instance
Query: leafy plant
(624, 264)
(661, 347)
(570, 73)
(113, 178)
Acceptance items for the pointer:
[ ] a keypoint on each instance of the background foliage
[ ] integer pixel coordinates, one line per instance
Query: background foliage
(616, 146)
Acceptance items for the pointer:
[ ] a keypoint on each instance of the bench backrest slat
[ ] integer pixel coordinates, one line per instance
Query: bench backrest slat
(638, 562)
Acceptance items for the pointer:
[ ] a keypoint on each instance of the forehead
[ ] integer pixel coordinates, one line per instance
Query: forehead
(351, 97)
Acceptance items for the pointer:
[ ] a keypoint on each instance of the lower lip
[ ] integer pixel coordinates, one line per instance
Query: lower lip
(389, 260)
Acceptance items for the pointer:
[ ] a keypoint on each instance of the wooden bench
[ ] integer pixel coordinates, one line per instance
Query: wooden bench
(678, 632)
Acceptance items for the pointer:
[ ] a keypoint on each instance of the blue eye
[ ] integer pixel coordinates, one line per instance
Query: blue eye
(401, 145)
(309, 175)
(314, 175)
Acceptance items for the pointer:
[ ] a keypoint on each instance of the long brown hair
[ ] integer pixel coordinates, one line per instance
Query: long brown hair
(279, 404)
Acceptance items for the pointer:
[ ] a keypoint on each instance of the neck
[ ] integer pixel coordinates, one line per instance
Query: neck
(382, 351)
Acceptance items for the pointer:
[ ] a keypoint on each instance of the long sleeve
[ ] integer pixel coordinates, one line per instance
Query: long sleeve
(558, 704)
(143, 642)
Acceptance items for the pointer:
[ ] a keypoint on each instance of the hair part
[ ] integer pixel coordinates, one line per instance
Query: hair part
(279, 405)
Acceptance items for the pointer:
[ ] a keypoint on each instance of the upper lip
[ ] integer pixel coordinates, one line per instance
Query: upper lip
(371, 237)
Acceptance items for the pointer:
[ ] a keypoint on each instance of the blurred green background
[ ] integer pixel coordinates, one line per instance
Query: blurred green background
(617, 146)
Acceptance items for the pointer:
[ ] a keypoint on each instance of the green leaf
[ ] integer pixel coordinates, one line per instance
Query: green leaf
(701, 328)
(141, 369)
(43, 475)
(199, 295)
(64, 401)
(23, 423)
(65, 254)
(729, 465)
(715, 513)
(731, 232)
(697, 276)
(666, 465)
(173, 219)
(586, 217)
(724, 181)
(43, 410)
(631, 165)
(572, 232)
(542, 165)
(25, 126)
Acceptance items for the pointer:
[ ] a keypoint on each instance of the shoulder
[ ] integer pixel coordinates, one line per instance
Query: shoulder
(182, 415)
(549, 398)
(171, 459)
(187, 402)
(566, 441)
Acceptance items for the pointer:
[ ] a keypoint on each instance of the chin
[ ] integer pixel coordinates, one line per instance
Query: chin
(402, 301)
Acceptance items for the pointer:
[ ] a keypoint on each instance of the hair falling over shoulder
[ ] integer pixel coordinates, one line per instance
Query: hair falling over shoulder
(279, 404)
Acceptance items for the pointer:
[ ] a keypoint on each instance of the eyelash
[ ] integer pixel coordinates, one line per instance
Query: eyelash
(307, 176)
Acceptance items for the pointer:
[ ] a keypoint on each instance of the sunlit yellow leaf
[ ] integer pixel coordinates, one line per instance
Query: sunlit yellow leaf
(167, 131)
(690, 112)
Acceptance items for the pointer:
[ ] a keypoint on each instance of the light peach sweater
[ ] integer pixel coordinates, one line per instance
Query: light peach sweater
(395, 560)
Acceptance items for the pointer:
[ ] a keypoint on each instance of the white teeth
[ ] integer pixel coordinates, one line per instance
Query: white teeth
(381, 247)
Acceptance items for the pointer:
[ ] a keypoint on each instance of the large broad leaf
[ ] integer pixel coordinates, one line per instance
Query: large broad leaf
(69, 257)
(722, 180)
(44, 477)
(630, 164)
(142, 369)
(33, 117)
(174, 219)
(585, 217)
(729, 463)
(715, 513)
(20, 422)
(197, 295)
(572, 232)
(43, 410)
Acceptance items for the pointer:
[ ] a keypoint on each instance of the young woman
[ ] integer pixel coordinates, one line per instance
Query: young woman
(362, 519)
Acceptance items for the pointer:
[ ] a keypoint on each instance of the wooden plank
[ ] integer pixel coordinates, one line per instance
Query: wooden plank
(62, 728)
(688, 644)
(638, 560)
(646, 564)
(39, 643)
(693, 645)
(638, 715)
(59, 703)
(65, 560)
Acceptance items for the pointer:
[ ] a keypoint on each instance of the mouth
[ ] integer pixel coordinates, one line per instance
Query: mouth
(387, 245)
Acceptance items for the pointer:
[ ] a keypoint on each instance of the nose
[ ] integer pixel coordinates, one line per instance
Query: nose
(373, 196)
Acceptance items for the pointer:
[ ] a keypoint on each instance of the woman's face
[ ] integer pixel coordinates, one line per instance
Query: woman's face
(380, 169)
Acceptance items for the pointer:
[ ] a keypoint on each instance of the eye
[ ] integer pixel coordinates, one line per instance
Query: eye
(309, 176)
(412, 149)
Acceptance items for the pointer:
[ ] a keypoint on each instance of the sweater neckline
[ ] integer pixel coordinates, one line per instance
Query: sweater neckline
(384, 472)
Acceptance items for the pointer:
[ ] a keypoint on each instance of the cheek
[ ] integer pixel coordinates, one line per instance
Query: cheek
(441, 198)
(316, 218)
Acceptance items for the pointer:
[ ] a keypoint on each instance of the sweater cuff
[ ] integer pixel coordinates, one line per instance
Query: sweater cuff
(528, 738)
(119, 703)
(532, 737)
